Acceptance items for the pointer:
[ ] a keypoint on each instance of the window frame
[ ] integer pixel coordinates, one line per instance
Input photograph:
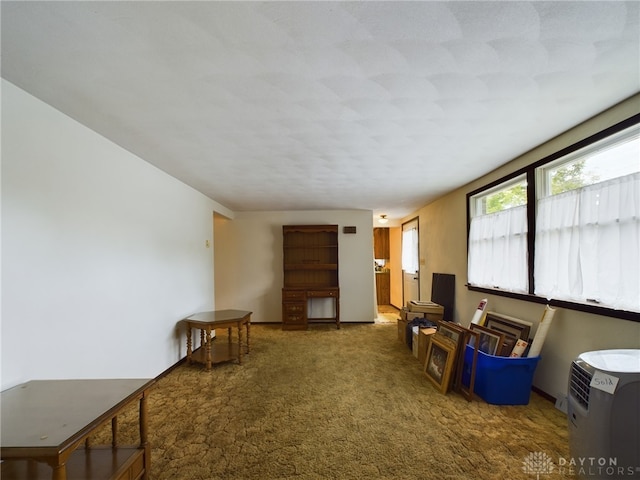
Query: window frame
(473, 200)
(532, 184)
(502, 186)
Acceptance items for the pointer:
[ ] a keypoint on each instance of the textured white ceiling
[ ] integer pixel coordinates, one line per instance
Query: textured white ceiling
(381, 106)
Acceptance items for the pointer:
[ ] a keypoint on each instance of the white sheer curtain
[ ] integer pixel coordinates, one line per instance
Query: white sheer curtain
(588, 244)
(498, 250)
(410, 260)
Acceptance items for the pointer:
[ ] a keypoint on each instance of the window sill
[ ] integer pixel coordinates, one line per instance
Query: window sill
(581, 307)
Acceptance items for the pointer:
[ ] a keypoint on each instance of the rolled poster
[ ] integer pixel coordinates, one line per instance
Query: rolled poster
(541, 333)
(477, 317)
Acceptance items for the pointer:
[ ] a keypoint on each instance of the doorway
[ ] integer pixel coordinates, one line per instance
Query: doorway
(410, 261)
(388, 275)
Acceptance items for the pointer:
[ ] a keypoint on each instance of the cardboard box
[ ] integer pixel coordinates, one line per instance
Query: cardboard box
(402, 330)
(407, 315)
(415, 344)
(430, 310)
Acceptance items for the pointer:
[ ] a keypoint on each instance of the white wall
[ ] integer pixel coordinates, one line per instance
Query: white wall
(443, 245)
(102, 253)
(248, 262)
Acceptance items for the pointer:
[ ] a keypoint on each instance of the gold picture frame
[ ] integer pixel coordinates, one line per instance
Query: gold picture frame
(441, 356)
(457, 333)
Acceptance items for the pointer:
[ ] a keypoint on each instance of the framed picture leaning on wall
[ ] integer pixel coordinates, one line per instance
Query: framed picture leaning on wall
(441, 356)
(491, 341)
(468, 369)
(457, 333)
(508, 325)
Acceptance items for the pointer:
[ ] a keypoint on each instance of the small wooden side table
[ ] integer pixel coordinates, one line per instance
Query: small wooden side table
(44, 424)
(207, 322)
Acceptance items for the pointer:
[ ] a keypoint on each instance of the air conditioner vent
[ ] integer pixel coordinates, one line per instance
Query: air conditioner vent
(579, 384)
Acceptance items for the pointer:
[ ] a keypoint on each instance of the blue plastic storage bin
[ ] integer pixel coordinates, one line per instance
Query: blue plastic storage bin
(500, 380)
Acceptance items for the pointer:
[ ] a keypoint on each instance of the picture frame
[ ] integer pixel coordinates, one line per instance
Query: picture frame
(456, 333)
(470, 338)
(491, 341)
(450, 330)
(507, 345)
(520, 329)
(438, 366)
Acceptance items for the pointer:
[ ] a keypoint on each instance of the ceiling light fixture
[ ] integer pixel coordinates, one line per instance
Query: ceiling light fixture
(383, 219)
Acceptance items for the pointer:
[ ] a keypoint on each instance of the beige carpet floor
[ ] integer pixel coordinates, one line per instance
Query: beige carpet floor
(387, 314)
(338, 404)
(387, 318)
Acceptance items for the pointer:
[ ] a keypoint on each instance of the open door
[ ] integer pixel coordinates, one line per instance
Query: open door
(410, 261)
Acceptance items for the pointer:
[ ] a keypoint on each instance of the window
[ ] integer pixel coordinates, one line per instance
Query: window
(587, 225)
(614, 157)
(506, 195)
(565, 230)
(498, 237)
(410, 242)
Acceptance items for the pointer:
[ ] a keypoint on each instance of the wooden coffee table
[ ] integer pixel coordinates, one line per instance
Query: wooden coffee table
(207, 322)
(46, 426)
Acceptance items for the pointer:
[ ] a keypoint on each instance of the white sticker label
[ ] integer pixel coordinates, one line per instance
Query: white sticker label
(604, 382)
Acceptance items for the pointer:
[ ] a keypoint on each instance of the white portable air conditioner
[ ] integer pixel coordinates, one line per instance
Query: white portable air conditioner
(604, 414)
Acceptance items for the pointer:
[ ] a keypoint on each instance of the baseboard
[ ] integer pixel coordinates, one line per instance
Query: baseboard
(171, 368)
(544, 395)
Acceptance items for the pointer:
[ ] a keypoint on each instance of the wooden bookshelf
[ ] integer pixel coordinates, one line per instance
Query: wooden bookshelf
(310, 266)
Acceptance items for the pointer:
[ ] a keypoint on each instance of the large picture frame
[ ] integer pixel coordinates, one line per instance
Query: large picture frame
(441, 356)
(508, 325)
(491, 341)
